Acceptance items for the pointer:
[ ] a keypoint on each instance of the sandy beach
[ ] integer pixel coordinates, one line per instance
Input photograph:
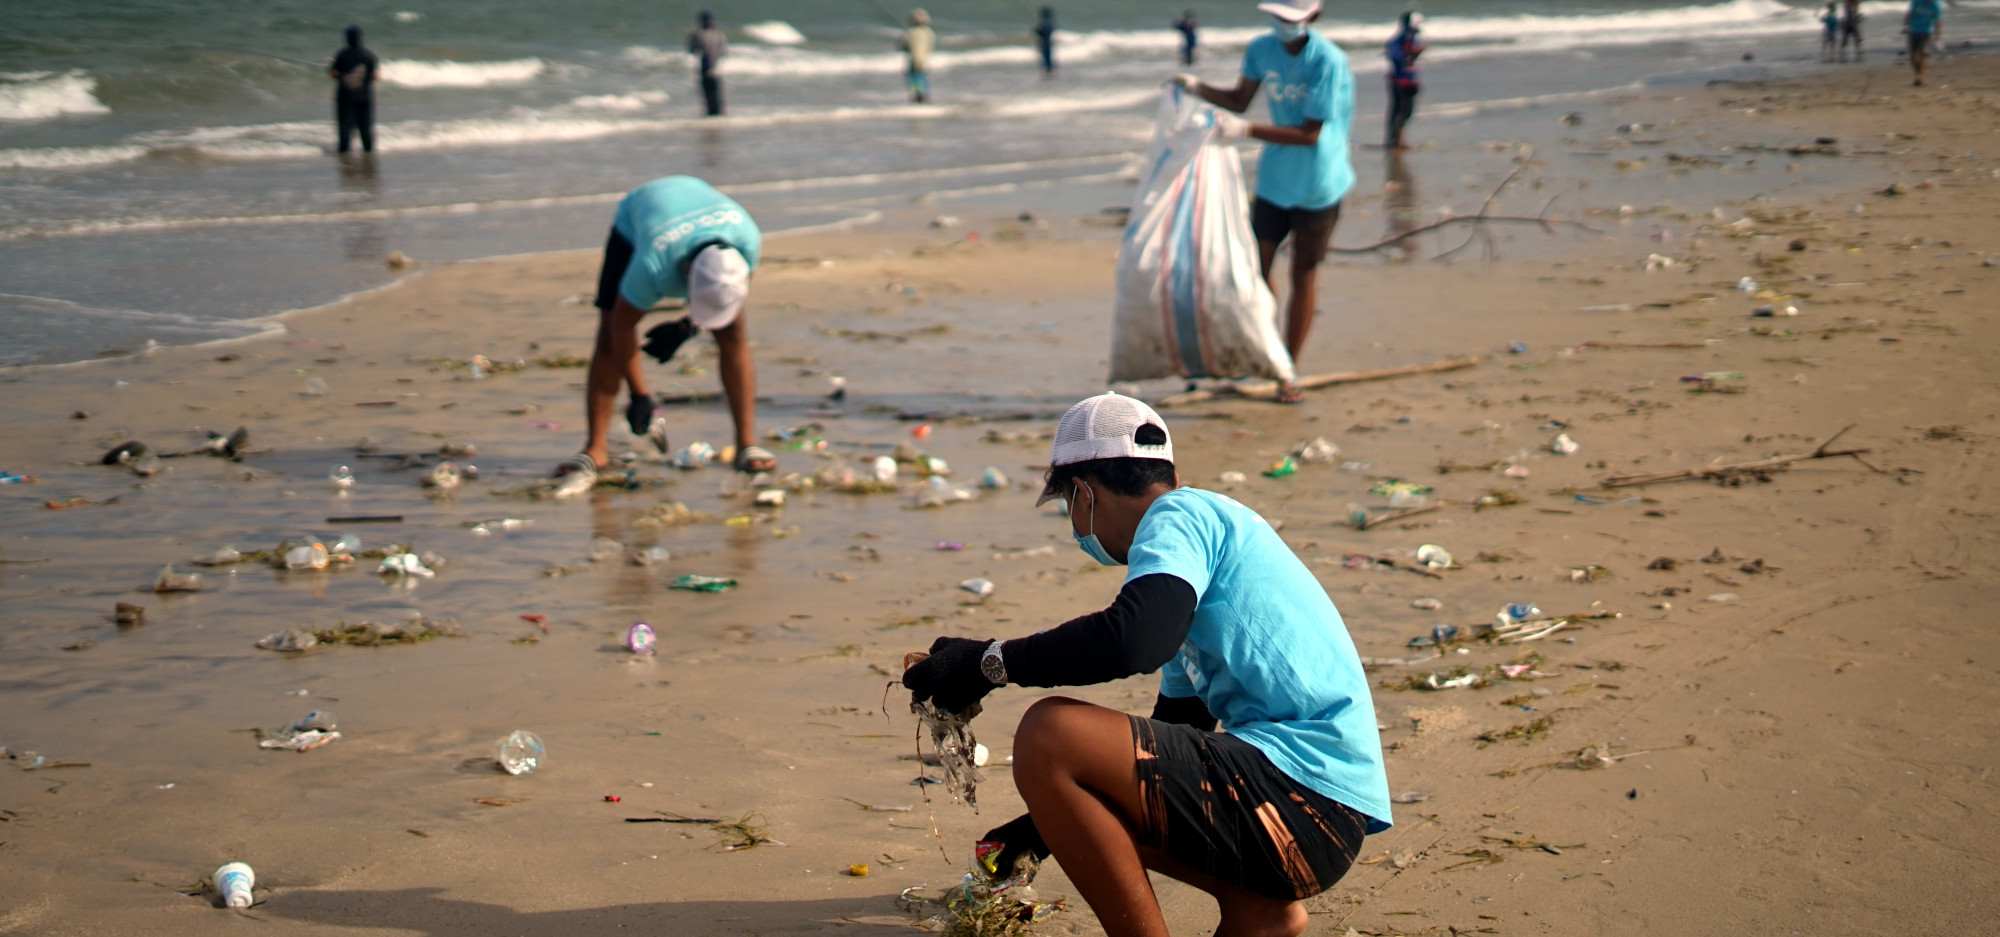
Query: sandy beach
(1769, 711)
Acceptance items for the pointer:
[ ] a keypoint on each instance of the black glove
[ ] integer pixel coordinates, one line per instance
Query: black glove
(666, 338)
(639, 414)
(1016, 838)
(950, 676)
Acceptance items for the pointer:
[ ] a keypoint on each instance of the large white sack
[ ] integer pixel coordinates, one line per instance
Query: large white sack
(1190, 301)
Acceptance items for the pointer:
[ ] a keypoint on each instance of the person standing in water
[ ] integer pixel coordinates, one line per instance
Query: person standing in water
(1830, 31)
(1402, 51)
(1920, 23)
(918, 42)
(1045, 40)
(1850, 28)
(1188, 26)
(706, 42)
(353, 71)
(1305, 169)
(672, 238)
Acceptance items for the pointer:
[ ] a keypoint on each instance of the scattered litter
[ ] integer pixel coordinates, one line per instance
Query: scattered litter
(508, 525)
(697, 583)
(978, 587)
(1433, 556)
(639, 639)
(858, 870)
(1721, 597)
(1658, 262)
(1316, 451)
(989, 901)
(521, 752)
(1410, 797)
(170, 581)
(291, 641)
(993, 479)
(1563, 445)
(308, 732)
(234, 881)
(405, 565)
(128, 615)
(1515, 614)
(1282, 468)
(1426, 604)
(1233, 478)
(1589, 573)
(771, 498)
(696, 455)
(650, 556)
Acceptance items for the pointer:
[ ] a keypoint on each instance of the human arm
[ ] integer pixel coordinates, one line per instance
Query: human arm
(1140, 631)
(1235, 99)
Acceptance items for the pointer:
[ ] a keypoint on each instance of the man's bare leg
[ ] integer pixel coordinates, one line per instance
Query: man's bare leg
(1075, 768)
(613, 361)
(739, 380)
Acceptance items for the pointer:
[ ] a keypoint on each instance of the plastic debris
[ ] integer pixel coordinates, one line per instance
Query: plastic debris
(341, 478)
(1233, 478)
(521, 752)
(170, 581)
(405, 565)
(306, 556)
(1746, 285)
(1516, 471)
(639, 639)
(978, 587)
(1433, 556)
(308, 732)
(291, 641)
(858, 870)
(992, 478)
(1282, 468)
(1721, 597)
(1515, 614)
(695, 455)
(932, 465)
(235, 881)
(951, 546)
(501, 525)
(1410, 797)
(697, 583)
(1426, 604)
(951, 736)
(1658, 262)
(1563, 445)
(128, 615)
(649, 556)
(1316, 451)
(885, 469)
(771, 498)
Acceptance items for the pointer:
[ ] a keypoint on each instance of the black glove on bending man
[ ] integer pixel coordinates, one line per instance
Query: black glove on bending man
(1017, 837)
(666, 338)
(950, 677)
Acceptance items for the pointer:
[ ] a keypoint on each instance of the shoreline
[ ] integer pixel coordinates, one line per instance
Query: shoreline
(1754, 748)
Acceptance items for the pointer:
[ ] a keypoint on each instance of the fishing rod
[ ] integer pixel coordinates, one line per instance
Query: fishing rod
(893, 19)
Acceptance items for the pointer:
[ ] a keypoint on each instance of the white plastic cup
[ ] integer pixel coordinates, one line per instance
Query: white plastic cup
(234, 880)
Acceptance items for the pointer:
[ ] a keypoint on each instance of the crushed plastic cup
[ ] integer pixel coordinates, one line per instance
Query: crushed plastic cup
(348, 545)
(1514, 614)
(521, 752)
(1746, 285)
(1317, 451)
(885, 469)
(639, 639)
(695, 455)
(933, 466)
(1563, 445)
(978, 587)
(341, 478)
(1433, 556)
(404, 565)
(234, 881)
(306, 556)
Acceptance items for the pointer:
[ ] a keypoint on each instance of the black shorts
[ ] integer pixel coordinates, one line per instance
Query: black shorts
(1920, 44)
(617, 256)
(1215, 804)
(1312, 227)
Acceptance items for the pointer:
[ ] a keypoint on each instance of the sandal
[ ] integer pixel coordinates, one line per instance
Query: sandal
(581, 462)
(754, 459)
(1290, 394)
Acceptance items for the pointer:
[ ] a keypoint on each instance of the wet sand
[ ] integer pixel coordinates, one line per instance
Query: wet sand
(1814, 754)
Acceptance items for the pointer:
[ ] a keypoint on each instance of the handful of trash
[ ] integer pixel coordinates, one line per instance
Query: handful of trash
(989, 901)
(951, 737)
(307, 733)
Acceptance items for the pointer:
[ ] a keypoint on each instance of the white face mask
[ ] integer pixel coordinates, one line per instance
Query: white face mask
(1287, 30)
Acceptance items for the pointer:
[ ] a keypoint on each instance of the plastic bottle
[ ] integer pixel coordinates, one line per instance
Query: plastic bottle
(639, 639)
(521, 752)
(1515, 614)
(234, 881)
(321, 719)
(348, 545)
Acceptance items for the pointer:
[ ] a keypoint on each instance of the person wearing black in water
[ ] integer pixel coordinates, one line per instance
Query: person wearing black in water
(707, 44)
(353, 71)
(673, 238)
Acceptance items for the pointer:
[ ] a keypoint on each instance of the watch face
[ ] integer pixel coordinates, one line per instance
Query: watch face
(994, 667)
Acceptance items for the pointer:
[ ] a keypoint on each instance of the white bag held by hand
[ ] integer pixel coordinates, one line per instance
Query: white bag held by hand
(1190, 300)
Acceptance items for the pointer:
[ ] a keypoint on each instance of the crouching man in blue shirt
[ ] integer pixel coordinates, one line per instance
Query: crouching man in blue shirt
(1265, 813)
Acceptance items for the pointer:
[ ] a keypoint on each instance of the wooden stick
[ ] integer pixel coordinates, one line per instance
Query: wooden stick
(1397, 516)
(1481, 213)
(1459, 219)
(1734, 468)
(1600, 344)
(1317, 380)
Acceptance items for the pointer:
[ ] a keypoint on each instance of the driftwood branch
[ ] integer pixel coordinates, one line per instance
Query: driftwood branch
(1381, 519)
(1484, 207)
(1269, 391)
(1756, 467)
(1601, 344)
(1479, 218)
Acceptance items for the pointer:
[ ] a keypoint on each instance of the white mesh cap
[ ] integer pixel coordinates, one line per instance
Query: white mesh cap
(1105, 427)
(1293, 10)
(718, 281)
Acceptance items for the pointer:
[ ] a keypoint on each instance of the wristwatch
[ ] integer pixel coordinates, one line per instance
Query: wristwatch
(993, 665)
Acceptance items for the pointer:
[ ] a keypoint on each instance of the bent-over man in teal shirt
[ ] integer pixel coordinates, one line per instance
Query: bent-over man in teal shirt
(1263, 814)
(673, 238)
(1305, 169)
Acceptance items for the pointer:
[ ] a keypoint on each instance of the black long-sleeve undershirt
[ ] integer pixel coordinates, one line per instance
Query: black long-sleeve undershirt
(1141, 631)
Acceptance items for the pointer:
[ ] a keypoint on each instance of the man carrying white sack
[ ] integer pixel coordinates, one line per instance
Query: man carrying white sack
(1262, 815)
(1304, 170)
(673, 238)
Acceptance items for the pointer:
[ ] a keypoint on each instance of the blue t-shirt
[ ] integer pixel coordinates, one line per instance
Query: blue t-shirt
(668, 220)
(1312, 85)
(1924, 16)
(1267, 653)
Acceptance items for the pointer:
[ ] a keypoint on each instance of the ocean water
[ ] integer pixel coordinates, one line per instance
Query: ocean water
(166, 171)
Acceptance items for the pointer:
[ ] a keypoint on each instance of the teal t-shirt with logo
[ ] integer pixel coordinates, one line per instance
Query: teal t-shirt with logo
(668, 220)
(1312, 85)
(1924, 16)
(1267, 652)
